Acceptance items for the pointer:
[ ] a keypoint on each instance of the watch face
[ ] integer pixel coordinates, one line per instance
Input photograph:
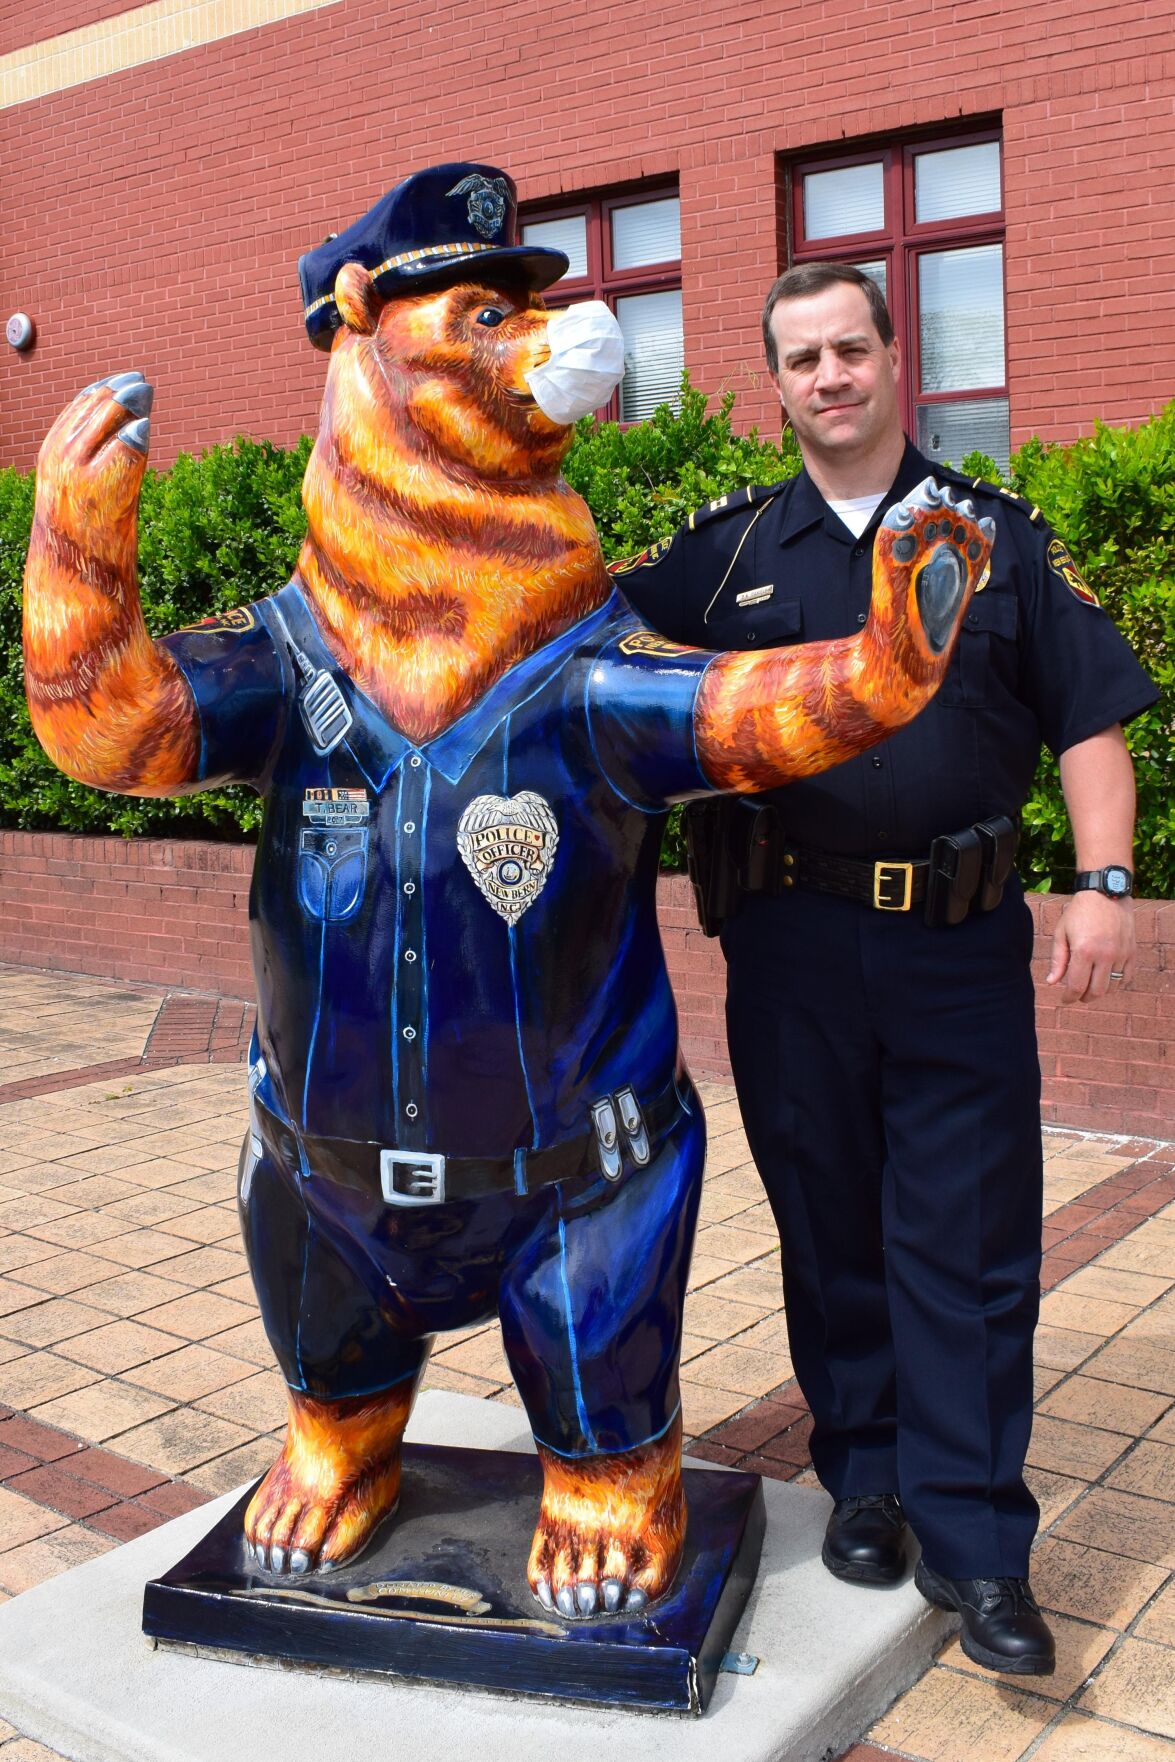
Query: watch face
(1116, 881)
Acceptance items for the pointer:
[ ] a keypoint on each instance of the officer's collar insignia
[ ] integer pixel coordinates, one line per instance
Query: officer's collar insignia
(645, 559)
(240, 619)
(508, 844)
(754, 596)
(336, 807)
(1062, 565)
(487, 201)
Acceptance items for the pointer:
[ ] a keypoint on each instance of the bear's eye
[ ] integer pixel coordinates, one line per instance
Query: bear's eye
(490, 315)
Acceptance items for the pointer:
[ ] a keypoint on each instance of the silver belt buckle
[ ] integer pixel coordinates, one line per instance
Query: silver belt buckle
(412, 1177)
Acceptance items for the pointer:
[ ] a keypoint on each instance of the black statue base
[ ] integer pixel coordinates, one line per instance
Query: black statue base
(441, 1594)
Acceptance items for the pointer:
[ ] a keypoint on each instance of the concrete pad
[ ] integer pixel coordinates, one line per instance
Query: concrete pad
(77, 1673)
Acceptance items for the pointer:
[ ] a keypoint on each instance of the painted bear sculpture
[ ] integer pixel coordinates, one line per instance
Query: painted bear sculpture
(466, 1092)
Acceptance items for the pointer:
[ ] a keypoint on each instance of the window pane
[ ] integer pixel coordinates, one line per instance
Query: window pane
(959, 180)
(876, 272)
(646, 232)
(961, 318)
(654, 353)
(569, 234)
(848, 201)
(951, 431)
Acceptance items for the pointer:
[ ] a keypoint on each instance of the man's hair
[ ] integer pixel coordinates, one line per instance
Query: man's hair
(813, 278)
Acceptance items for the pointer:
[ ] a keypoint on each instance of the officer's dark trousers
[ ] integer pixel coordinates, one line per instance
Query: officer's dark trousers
(889, 1082)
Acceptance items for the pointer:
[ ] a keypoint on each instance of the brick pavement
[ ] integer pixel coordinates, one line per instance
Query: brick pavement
(137, 1382)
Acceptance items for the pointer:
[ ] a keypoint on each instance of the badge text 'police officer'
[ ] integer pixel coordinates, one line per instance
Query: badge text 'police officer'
(508, 845)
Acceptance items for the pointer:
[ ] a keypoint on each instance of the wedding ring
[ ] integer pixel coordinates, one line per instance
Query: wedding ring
(1117, 975)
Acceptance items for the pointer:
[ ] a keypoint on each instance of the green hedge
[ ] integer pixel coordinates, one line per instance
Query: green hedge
(225, 528)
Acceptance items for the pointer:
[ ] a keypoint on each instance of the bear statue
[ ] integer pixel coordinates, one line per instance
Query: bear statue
(466, 1093)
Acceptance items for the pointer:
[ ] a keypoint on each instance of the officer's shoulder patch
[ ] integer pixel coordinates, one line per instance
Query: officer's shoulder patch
(646, 559)
(731, 503)
(1066, 570)
(238, 619)
(647, 642)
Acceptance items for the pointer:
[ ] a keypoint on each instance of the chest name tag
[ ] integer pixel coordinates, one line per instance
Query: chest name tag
(754, 596)
(508, 844)
(336, 807)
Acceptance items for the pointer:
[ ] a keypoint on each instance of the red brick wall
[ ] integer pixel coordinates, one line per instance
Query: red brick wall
(33, 23)
(177, 914)
(153, 218)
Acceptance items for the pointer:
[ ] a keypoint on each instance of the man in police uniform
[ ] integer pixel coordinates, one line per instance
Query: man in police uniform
(880, 1005)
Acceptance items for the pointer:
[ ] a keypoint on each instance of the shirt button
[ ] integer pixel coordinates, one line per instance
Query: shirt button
(409, 1033)
(877, 762)
(415, 761)
(751, 636)
(331, 849)
(409, 954)
(409, 887)
(861, 617)
(858, 550)
(412, 1110)
(409, 825)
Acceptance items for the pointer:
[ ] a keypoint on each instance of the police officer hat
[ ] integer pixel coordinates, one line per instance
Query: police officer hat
(431, 228)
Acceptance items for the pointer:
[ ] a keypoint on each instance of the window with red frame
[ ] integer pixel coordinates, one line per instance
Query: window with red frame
(926, 220)
(626, 251)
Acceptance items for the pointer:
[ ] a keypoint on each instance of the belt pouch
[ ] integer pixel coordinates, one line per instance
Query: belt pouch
(710, 862)
(998, 838)
(952, 880)
(758, 871)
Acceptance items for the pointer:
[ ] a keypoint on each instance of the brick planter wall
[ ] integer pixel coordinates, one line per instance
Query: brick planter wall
(176, 913)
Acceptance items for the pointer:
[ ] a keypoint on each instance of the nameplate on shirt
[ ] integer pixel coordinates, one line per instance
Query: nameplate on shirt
(754, 596)
(336, 807)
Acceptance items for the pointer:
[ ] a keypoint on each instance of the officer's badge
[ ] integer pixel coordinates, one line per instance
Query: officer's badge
(1062, 564)
(508, 844)
(239, 618)
(487, 201)
(645, 559)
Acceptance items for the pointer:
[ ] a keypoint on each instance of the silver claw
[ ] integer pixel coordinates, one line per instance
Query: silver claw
(543, 1592)
(636, 1599)
(277, 1559)
(900, 516)
(948, 496)
(987, 527)
(929, 492)
(565, 1602)
(299, 1560)
(137, 397)
(587, 1597)
(966, 508)
(117, 381)
(613, 1591)
(136, 434)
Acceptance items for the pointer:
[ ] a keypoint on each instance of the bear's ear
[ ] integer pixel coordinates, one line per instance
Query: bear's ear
(356, 299)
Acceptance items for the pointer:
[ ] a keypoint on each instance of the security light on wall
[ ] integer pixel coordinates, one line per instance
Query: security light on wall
(21, 331)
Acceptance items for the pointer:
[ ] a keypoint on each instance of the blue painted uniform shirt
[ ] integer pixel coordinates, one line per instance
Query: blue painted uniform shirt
(455, 942)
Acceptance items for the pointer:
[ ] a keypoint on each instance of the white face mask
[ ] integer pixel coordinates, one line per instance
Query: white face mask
(586, 364)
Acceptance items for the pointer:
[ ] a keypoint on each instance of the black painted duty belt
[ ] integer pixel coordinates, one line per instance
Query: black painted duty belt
(625, 1134)
(886, 884)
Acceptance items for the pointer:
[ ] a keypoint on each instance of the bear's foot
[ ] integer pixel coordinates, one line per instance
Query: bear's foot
(335, 1481)
(611, 1529)
(935, 539)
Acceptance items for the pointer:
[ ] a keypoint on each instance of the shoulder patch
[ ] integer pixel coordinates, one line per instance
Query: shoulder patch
(1063, 566)
(730, 503)
(239, 618)
(646, 559)
(647, 642)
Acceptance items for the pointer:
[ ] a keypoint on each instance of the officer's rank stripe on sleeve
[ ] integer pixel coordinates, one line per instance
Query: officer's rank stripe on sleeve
(1063, 566)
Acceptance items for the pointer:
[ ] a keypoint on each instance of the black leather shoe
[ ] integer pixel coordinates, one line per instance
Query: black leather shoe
(1003, 1628)
(865, 1541)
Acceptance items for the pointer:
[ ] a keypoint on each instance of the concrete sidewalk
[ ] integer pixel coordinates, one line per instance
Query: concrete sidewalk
(137, 1380)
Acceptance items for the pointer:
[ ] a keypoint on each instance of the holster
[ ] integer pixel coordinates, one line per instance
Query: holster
(999, 838)
(709, 826)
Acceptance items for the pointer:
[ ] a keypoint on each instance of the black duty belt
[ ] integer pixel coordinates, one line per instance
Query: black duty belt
(964, 871)
(625, 1133)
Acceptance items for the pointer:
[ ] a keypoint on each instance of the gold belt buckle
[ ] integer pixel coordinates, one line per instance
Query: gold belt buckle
(885, 876)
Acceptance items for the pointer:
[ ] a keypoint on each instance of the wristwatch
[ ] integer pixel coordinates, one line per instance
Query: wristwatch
(1115, 881)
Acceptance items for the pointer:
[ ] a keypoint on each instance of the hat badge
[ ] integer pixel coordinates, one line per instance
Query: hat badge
(487, 201)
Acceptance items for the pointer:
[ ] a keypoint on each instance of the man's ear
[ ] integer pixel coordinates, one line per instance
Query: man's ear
(356, 299)
(895, 355)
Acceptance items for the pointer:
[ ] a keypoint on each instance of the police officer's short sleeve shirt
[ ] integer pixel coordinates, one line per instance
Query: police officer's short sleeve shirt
(1037, 658)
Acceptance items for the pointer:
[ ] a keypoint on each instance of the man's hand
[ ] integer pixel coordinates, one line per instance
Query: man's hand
(1093, 943)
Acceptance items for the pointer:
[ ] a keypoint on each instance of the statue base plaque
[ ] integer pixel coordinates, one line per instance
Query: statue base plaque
(441, 1594)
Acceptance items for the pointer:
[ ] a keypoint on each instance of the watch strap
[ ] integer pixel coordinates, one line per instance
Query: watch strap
(1095, 880)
